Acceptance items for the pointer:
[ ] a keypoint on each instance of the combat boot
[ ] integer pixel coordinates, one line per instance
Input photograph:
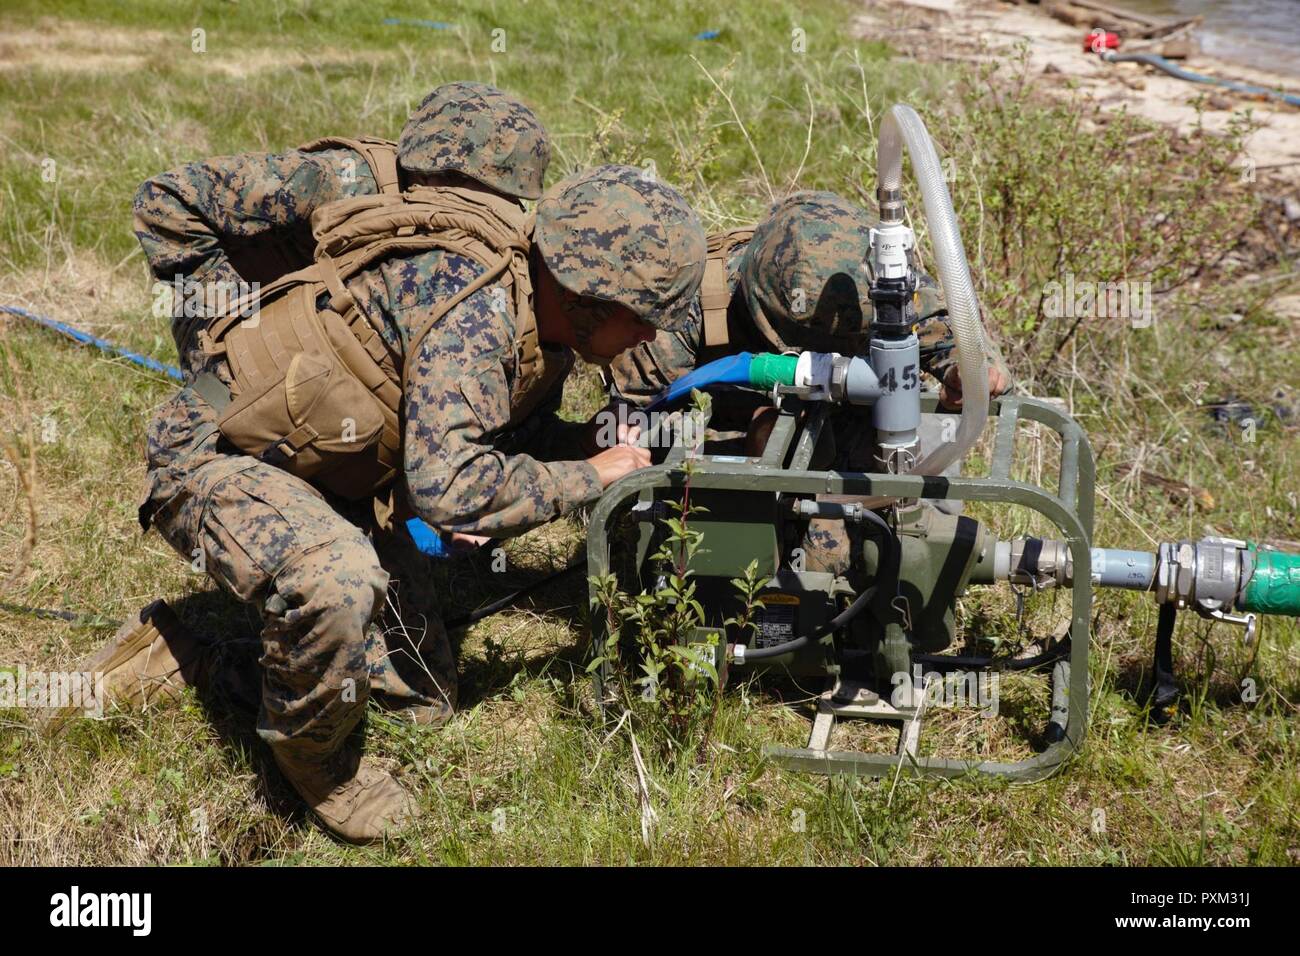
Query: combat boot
(349, 793)
(434, 714)
(426, 715)
(150, 659)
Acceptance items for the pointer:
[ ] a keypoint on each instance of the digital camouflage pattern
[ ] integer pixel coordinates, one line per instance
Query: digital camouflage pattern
(322, 574)
(641, 373)
(831, 546)
(615, 234)
(805, 275)
(477, 131)
(239, 219)
(248, 217)
(786, 255)
(319, 572)
(271, 538)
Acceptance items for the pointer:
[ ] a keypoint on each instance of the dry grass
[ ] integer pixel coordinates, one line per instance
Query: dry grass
(524, 774)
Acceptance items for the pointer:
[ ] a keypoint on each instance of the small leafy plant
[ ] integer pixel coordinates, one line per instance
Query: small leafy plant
(660, 663)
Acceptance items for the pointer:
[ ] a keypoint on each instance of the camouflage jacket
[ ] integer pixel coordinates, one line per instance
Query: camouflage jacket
(464, 471)
(638, 375)
(463, 468)
(240, 218)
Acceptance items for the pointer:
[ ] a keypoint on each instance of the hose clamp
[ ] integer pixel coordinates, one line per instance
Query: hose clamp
(892, 208)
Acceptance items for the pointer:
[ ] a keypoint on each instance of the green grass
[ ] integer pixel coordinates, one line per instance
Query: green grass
(523, 774)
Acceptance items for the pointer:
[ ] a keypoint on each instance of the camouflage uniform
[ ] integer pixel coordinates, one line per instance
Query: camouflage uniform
(477, 131)
(272, 538)
(248, 217)
(799, 284)
(810, 241)
(641, 373)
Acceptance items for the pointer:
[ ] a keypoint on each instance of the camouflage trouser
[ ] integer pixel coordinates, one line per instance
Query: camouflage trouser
(828, 544)
(344, 612)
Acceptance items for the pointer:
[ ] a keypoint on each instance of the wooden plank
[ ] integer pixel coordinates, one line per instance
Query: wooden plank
(1117, 12)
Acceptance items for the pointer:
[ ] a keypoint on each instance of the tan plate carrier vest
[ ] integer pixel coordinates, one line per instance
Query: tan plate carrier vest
(380, 155)
(715, 294)
(317, 391)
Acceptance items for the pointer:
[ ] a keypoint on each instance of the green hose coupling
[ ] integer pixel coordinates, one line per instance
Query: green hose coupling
(1274, 586)
(767, 370)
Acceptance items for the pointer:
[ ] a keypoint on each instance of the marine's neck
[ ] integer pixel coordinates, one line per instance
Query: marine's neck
(553, 326)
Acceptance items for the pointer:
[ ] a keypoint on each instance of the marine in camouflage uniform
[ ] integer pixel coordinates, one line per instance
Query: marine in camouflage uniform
(813, 255)
(243, 219)
(248, 218)
(307, 561)
(800, 283)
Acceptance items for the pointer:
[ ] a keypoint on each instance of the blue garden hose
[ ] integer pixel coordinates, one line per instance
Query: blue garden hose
(732, 370)
(85, 338)
(1160, 63)
(760, 371)
(427, 24)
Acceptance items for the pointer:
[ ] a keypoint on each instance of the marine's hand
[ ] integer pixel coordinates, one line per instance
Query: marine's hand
(623, 459)
(950, 388)
(467, 542)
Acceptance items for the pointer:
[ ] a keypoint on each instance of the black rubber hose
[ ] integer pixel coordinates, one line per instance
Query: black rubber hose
(465, 620)
(838, 621)
(1164, 690)
(45, 612)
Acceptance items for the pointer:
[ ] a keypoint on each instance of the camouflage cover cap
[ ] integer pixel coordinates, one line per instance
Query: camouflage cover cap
(805, 275)
(476, 130)
(929, 296)
(614, 233)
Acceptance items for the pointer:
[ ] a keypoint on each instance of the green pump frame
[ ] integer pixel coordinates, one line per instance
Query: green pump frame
(1069, 506)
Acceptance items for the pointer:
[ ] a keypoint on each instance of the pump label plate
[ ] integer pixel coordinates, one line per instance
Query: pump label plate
(775, 619)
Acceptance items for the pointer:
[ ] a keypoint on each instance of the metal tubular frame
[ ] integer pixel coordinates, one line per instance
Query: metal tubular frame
(1069, 507)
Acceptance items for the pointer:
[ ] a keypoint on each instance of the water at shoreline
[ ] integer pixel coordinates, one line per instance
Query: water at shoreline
(1259, 33)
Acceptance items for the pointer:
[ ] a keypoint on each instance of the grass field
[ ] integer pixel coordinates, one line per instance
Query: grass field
(95, 98)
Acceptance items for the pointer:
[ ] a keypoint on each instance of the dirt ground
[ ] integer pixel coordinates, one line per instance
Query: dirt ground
(966, 30)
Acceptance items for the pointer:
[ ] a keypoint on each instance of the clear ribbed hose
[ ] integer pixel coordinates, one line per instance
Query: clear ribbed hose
(903, 126)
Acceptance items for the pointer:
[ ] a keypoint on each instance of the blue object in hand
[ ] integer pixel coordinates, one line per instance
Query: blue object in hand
(426, 539)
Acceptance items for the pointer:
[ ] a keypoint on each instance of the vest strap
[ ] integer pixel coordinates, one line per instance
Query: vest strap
(413, 347)
(212, 390)
(312, 355)
(715, 294)
(380, 155)
(714, 300)
(282, 450)
(341, 300)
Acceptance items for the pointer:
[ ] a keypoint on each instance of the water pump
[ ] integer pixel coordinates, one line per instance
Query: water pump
(862, 632)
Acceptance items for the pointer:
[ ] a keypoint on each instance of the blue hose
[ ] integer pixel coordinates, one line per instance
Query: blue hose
(427, 24)
(85, 338)
(1160, 63)
(731, 370)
